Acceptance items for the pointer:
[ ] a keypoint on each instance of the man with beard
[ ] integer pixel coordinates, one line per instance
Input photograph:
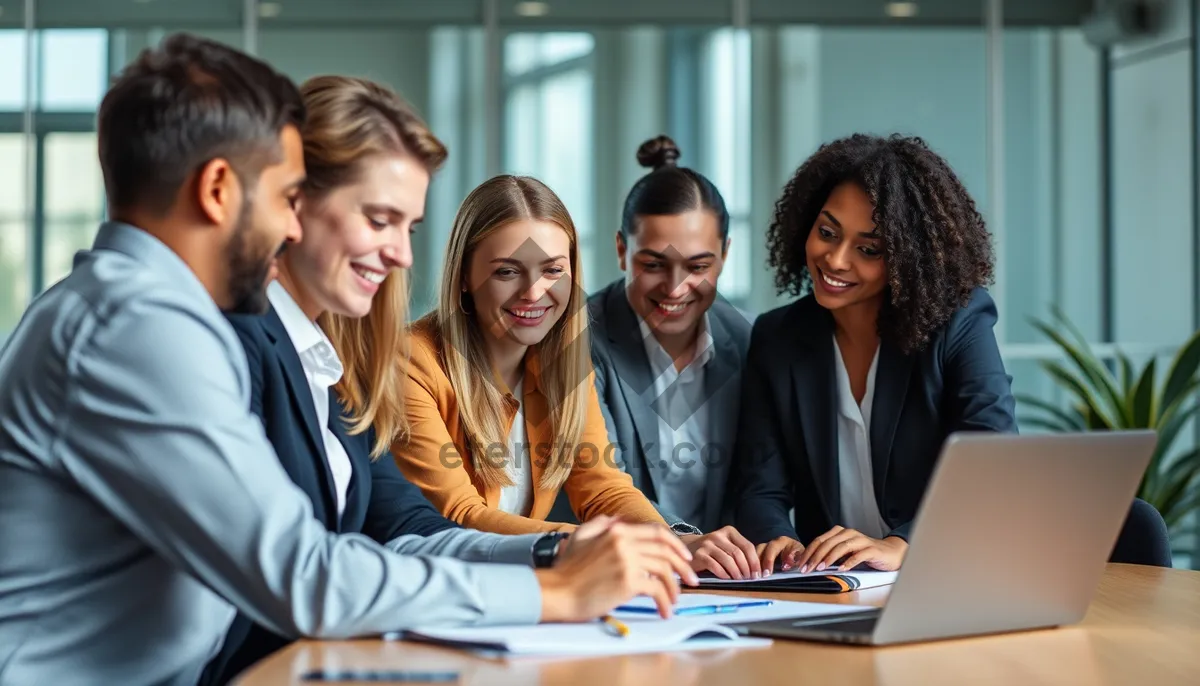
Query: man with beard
(141, 505)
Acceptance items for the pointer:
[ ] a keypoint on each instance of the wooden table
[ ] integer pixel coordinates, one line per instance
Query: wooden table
(1143, 627)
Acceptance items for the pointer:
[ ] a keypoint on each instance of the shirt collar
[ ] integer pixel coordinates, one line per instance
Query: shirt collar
(147, 249)
(659, 357)
(312, 345)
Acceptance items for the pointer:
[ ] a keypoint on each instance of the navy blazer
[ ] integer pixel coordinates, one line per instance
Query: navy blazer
(787, 449)
(380, 502)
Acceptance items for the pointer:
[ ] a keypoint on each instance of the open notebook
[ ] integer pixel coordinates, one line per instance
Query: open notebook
(809, 582)
(647, 633)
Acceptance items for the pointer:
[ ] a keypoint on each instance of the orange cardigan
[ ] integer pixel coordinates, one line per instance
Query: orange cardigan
(435, 457)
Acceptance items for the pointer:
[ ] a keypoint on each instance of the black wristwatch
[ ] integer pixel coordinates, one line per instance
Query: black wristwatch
(545, 549)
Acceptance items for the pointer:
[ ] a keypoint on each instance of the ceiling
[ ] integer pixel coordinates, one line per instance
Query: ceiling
(549, 13)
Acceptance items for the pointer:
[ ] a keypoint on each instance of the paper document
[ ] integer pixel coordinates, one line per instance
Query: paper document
(647, 633)
(809, 582)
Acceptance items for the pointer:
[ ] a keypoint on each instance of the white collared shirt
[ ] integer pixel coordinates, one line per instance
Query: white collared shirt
(859, 508)
(681, 410)
(518, 498)
(323, 369)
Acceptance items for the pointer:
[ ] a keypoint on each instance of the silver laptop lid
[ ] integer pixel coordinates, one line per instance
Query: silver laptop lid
(1014, 533)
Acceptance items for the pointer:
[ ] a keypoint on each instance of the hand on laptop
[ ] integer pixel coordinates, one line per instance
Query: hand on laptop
(607, 563)
(724, 552)
(852, 548)
(784, 550)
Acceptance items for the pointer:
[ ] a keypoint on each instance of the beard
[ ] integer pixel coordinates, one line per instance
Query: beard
(249, 267)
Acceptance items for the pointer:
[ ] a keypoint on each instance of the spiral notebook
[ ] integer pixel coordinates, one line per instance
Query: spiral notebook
(810, 582)
(647, 633)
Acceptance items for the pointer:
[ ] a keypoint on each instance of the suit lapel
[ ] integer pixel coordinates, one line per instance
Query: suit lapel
(302, 404)
(815, 386)
(891, 388)
(358, 491)
(720, 376)
(633, 374)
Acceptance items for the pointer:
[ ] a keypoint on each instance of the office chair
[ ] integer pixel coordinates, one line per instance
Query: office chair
(1143, 539)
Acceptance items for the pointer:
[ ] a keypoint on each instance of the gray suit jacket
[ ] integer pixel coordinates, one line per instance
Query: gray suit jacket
(623, 375)
(141, 503)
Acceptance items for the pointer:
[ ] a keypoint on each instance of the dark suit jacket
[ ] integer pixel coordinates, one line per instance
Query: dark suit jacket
(380, 502)
(787, 453)
(623, 374)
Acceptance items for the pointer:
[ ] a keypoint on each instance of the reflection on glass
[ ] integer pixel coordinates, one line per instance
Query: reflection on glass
(74, 203)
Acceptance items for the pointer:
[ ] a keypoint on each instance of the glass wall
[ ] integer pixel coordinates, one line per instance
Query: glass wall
(1079, 151)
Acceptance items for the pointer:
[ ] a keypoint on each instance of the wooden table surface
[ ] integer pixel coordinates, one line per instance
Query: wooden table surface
(1143, 627)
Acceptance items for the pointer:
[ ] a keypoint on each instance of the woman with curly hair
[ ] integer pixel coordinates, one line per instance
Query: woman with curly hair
(850, 391)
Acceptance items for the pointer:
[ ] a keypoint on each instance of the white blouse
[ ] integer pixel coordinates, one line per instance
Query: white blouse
(860, 511)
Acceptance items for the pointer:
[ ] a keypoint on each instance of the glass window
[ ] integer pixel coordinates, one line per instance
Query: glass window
(74, 69)
(14, 279)
(725, 154)
(74, 202)
(548, 125)
(12, 70)
(525, 52)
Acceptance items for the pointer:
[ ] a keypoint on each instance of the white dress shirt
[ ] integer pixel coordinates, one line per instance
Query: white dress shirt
(859, 508)
(518, 498)
(679, 403)
(323, 369)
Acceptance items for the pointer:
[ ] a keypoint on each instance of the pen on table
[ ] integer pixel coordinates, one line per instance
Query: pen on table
(616, 627)
(720, 609)
(697, 609)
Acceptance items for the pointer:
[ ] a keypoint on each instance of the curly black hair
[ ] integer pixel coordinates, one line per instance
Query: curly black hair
(936, 245)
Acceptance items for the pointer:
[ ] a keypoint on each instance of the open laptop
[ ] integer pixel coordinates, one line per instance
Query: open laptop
(1013, 534)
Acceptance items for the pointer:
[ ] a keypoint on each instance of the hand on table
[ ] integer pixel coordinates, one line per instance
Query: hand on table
(783, 549)
(608, 563)
(725, 553)
(853, 548)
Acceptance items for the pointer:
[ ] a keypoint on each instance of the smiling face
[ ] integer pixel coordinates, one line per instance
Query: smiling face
(519, 280)
(356, 235)
(671, 265)
(845, 251)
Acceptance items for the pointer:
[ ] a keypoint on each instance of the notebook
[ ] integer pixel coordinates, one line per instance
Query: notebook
(647, 633)
(809, 582)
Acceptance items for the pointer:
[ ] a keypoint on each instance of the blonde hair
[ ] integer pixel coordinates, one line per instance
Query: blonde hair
(563, 355)
(349, 121)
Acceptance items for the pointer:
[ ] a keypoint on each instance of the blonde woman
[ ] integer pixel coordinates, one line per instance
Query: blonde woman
(501, 409)
(369, 160)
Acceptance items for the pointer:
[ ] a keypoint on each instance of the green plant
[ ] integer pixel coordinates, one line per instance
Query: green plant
(1104, 399)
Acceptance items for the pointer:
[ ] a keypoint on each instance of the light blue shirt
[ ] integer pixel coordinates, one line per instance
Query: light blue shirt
(141, 502)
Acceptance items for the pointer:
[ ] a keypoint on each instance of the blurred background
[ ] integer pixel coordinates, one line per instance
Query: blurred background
(1073, 123)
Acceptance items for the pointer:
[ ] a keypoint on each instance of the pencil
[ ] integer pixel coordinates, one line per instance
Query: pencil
(617, 627)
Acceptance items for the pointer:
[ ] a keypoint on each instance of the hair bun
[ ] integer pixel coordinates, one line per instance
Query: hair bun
(658, 152)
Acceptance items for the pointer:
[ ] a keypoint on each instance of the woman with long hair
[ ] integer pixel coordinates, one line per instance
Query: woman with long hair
(369, 161)
(501, 404)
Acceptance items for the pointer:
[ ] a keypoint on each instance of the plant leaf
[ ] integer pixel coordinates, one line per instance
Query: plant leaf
(1094, 415)
(1142, 398)
(1181, 508)
(1182, 371)
(1168, 431)
(1045, 423)
(1092, 370)
(1066, 422)
(1127, 388)
(1061, 318)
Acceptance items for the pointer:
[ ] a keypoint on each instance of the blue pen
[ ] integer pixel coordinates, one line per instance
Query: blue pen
(696, 609)
(381, 675)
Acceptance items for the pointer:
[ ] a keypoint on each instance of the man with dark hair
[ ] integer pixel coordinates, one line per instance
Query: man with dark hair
(141, 505)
